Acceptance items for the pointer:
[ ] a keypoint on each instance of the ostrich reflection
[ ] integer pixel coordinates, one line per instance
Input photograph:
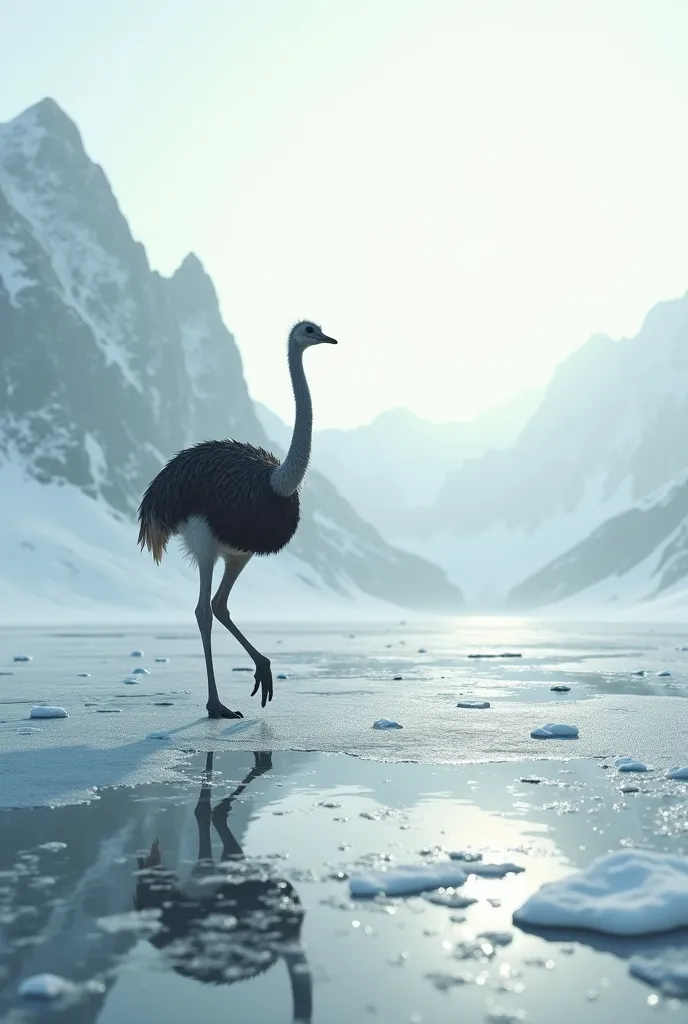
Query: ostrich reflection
(234, 920)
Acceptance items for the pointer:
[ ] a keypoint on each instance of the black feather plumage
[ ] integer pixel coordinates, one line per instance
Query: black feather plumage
(228, 484)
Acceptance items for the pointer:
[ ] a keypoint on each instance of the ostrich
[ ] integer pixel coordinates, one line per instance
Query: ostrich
(267, 912)
(229, 500)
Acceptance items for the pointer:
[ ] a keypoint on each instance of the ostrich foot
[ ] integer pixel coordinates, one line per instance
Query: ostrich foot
(217, 710)
(263, 678)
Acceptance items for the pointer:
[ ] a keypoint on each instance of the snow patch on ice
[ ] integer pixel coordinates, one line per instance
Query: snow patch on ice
(47, 711)
(629, 764)
(45, 986)
(406, 880)
(628, 892)
(555, 731)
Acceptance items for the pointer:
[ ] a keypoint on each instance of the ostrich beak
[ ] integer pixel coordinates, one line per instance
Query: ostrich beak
(329, 341)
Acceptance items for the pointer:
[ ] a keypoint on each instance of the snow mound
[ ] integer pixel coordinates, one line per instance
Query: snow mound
(47, 711)
(386, 723)
(629, 764)
(473, 704)
(668, 972)
(628, 892)
(553, 730)
(45, 986)
(406, 880)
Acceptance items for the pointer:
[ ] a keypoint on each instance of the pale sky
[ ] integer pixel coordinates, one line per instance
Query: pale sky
(460, 192)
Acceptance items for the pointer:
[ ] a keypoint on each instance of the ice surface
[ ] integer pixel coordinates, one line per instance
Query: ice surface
(45, 986)
(473, 704)
(336, 691)
(553, 730)
(406, 880)
(47, 711)
(628, 892)
(386, 723)
(667, 972)
(630, 764)
(678, 773)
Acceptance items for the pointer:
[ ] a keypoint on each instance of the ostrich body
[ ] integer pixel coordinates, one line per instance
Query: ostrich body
(228, 500)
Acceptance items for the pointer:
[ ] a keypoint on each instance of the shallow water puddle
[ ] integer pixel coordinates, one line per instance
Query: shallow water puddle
(231, 892)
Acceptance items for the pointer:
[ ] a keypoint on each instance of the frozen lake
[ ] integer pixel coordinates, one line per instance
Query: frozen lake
(309, 817)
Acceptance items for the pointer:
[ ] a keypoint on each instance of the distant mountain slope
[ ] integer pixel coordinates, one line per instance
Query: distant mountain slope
(636, 555)
(610, 432)
(396, 465)
(108, 368)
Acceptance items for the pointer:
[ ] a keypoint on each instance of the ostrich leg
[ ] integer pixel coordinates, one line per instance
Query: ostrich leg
(204, 618)
(234, 564)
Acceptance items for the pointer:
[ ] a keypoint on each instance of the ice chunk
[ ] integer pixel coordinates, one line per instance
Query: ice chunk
(473, 704)
(553, 730)
(397, 679)
(664, 674)
(668, 972)
(386, 723)
(140, 671)
(629, 764)
(131, 680)
(45, 986)
(23, 657)
(282, 675)
(161, 661)
(628, 892)
(560, 688)
(84, 675)
(494, 870)
(158, 736)
(136, 654)
(678, 773)
(47, 711)
(466, 855)
(406, 880)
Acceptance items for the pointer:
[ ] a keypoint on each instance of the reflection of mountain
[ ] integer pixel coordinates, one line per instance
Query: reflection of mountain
(108, 369)
(395, 466)
(590, 499)
(94, 874)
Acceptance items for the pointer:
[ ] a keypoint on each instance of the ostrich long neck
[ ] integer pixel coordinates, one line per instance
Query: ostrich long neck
(287, 477)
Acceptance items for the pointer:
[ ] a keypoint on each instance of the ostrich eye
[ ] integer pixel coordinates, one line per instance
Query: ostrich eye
(309, 330)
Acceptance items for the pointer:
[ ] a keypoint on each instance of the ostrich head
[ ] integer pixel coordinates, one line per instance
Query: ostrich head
(306, 333)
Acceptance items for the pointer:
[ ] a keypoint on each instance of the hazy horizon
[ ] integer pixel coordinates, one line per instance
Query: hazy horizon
(461, 193)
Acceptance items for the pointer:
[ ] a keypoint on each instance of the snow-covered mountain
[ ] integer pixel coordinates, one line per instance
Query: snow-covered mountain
(592, 494)
(107, 369)
(393, 468)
